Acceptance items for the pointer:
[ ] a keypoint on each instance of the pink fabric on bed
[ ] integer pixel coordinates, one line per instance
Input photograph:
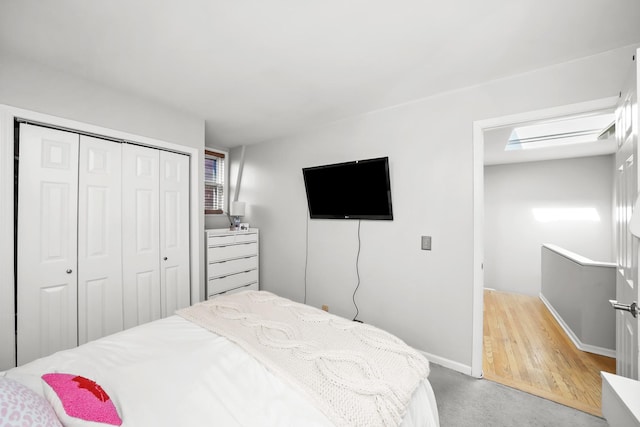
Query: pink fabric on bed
(21, 406)
(83, 398)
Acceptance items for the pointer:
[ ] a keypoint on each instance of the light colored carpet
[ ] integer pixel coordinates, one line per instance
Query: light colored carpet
(466, 401)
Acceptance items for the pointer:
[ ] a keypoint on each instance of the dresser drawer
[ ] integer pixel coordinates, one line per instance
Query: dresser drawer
(232, 281)
(241, 250)
(229, 239)
(224, 268)
(251, 287)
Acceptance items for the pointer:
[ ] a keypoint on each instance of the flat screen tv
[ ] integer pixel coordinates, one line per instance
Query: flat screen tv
(353, 190)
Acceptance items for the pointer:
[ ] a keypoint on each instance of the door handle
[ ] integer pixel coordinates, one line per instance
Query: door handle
(631, 308)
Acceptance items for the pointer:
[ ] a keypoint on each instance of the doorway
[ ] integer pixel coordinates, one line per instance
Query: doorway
(497, 301)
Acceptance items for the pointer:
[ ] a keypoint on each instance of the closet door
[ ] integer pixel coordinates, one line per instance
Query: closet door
(47, 242)
(174, 232)
(140, 234)
(99, 239)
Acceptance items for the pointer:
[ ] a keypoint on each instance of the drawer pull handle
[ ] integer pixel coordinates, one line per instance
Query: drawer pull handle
(224, 245)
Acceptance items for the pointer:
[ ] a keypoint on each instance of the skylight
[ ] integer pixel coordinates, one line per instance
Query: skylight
(572, 130)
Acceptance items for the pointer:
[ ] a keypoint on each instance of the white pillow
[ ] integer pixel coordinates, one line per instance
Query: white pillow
(19, 405)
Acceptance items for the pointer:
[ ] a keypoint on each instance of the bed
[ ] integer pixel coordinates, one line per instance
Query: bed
(176, 372)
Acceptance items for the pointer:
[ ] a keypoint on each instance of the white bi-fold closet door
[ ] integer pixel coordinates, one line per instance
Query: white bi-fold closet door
(103, 238)
(156, 190)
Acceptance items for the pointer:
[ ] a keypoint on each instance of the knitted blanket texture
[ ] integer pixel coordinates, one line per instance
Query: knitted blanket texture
(356, 374)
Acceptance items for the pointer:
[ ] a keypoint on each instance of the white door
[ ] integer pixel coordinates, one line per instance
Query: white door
(140, 238)
(99, 239)
(627, 251)
(174, 232)
(47, 242)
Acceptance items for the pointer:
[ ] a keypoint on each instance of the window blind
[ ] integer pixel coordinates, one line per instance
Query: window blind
(214, 165)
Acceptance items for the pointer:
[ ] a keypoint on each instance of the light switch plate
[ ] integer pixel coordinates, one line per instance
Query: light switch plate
(426, 243)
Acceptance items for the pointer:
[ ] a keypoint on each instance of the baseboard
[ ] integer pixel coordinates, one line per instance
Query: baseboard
(450, 364)
(573, 337)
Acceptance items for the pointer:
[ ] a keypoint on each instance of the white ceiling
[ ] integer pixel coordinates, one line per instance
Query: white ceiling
(260, 69)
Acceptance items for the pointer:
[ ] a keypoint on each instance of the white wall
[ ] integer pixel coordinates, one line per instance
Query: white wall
(424, 297)
(32, 87)
(513, 236)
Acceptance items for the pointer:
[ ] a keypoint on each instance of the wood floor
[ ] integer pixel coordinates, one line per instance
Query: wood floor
(525, 348)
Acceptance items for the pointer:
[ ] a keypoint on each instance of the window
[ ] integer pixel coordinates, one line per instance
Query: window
(567, 130)
(214, 182)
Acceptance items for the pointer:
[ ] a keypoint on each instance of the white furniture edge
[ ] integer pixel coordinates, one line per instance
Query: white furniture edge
(573, 337)
(7, 275)
(579, 259)
(623, 396)
(216, 231)
(211, 232)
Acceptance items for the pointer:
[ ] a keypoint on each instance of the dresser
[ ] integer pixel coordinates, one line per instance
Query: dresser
(231, 261)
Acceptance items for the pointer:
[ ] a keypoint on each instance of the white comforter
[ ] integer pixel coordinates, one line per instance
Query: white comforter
(174, 373)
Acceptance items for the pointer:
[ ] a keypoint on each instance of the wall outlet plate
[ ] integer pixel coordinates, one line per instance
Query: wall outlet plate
(426, 243)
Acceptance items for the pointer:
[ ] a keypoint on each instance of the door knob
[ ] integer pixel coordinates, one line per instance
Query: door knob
(69, 271)
(165, 258)
(631, 308)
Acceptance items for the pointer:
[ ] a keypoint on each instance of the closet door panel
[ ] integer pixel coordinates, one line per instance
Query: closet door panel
(47, 242)
(174, 232)
(99, 239)
(141, 241)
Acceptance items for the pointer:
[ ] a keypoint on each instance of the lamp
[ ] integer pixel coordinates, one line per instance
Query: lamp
(237, 211)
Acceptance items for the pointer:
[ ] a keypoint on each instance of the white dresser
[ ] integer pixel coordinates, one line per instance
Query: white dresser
(232, 260)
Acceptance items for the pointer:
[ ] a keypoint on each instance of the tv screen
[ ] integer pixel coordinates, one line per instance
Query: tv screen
(351, 190)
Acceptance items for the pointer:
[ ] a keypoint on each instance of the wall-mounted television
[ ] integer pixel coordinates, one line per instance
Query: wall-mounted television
(353, 190)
